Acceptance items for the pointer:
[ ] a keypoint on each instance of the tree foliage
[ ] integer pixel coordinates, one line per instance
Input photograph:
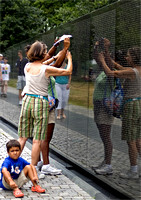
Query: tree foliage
(19, 21)
(60, 12)
(23, 19)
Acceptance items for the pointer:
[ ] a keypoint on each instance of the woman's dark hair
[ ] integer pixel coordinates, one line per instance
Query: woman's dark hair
(135, 53)
(37, 51)
(12, 143)
(120, 57)
(27, 47)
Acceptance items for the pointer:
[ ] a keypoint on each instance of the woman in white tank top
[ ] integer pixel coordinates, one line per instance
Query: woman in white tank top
(34, 112)
(131, 117)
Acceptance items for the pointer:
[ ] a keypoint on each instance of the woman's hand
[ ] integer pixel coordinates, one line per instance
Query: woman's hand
(101, 57)
(56, 39)
(66, 43)
(69, 56)
(68, 86)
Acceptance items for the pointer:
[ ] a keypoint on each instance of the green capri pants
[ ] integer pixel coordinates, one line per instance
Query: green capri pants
(33, 118)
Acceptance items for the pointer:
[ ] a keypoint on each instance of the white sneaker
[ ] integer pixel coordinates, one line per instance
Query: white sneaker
(39, 165)
(41, 176)
(129, 175)
(47, 169)
(104, 170)
(94, 167)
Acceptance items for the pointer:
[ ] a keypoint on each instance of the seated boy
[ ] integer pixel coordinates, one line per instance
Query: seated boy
(16, 171)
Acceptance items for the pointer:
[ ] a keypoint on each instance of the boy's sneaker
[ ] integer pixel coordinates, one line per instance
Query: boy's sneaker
(98, 166)
(47, 169)
(39, 165)
(104, 170)
(37, 189)
(129, 175)
(18, 193)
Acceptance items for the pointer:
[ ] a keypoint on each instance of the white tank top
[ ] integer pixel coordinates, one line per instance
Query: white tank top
(36, 84)
(132, 88)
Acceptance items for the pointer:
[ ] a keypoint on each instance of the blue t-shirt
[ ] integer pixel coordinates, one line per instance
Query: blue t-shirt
(62, 79)
(14, 167)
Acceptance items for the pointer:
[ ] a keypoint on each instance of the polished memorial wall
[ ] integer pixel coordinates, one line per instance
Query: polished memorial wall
(77, 137)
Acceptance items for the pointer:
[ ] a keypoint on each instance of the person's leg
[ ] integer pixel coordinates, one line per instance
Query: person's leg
(59, 95)
(45, 144)
(12, 184)
(9, 183)
(22, 142)
(36, 146)
(5, 87)
(58, 113)
(45, 166)
(133, 152)
(28, 171)
(105, 131)
(20, 92)
(2, 88)
(40, 125)
(25, 127)
(65, 97)
(62, 113)
(138, 145)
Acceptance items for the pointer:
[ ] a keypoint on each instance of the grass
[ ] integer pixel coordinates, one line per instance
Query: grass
(12, 83)
(81, 93)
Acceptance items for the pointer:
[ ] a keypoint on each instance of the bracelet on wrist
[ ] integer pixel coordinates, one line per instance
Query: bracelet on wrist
(54, 58)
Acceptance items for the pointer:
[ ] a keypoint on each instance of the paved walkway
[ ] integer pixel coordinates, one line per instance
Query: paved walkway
(57, 187)
(87, 149)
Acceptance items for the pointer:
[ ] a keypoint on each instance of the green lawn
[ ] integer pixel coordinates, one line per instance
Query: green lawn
(81, 93)
(12, 83)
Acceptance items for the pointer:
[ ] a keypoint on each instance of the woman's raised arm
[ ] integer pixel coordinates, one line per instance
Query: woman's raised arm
(53, 71)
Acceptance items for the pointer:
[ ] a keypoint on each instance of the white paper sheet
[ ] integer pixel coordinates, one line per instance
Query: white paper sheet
(62, 38)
